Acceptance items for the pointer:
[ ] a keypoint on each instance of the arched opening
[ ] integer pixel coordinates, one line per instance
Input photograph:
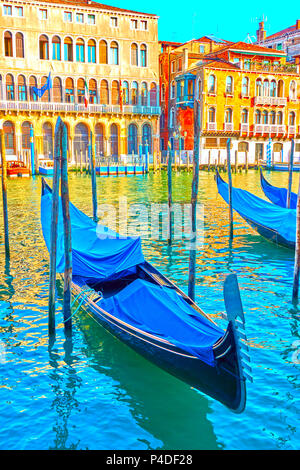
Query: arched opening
(19, 45)
(265, 117)
(279, 118)
(266, 88)
(258, 87)
(68, 49)
(292, 118)
(104, 94)
(26, 135)
(125, 92)
(280, 88)
(273, 88)
(243, 147)
(211, 84)
(114, 140)
(228, 115)
(245, 86)
(153, 94)
(80, 90)
(134, 54)
(103, 52)
(99, 140)
(277, 150)
(46, 96)
(56, 48)
(143, 55)
(47, 140)
(212, 115)
(114, 53)
(272, 118)
(69, 93)
(22, 92)
(9, 138)
(80, 53)
(245, 115)
(44, 47)
(115, 93)
(257, 116)
(229, 85)
(81, 142)
(92, 51)
(32, 85)
(132, 139)
(144, 94)
(93, 95)
(10, 87)
(57, 90)
(147, 138)
(134, 93)
(293, 92)
(8, 44)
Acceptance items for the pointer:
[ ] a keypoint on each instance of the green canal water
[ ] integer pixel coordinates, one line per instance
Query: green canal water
(99, 394)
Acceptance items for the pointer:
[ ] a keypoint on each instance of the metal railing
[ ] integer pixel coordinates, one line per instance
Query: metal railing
(270, 100)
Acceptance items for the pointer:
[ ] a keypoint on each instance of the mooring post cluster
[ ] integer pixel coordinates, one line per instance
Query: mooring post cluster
(4, 195)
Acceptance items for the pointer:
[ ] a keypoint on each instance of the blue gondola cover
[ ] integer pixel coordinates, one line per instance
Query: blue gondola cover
(161, 311)
(277, 195)
(97, 252)
(260, 212)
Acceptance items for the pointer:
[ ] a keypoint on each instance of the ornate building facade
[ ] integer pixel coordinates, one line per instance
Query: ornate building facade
(105, 55)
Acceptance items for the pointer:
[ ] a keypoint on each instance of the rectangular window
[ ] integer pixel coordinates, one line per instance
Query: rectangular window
(114, 21)
(279, 47)
(19, 11)
(144, 25)
(79, 18)
(43, 14)
(134, 24)
(173, 66)
(68, 16)
(201, 49)
(91, 19)
(7, 10)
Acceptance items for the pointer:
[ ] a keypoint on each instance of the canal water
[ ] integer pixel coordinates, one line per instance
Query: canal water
(99, 394)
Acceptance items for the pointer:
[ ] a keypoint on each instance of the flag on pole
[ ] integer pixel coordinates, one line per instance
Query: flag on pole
(40, 91)
(121, 96)
(86, 94)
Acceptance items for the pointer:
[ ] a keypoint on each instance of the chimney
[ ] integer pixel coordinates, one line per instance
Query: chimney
(298, 24)
(186, 58)
(261, 32)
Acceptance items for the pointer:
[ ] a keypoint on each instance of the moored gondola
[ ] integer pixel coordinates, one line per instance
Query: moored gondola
(140, 306)
(273, 222)
(277, 195)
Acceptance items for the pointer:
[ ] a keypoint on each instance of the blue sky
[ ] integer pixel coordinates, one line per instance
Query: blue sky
(180, 21)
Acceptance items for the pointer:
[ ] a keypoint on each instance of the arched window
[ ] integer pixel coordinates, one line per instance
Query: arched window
(115, 93)
(8, 44)
(125, 92)
(280, 88)
(229, 85)
(134, 93)
(10, 87)
(56, 48)
(228, 115)
(257, 116)
(273, 88)
(22, 92)
(258, 87)
(47, 140)
(163, 92)
(243, 147)
(69, 93)
(81, 141)
(57, 90)
(245, 116)
(80, 53)
(92, 51)
(99, 139)
(266, 88)
(103, 52)
(172, 118)
(279, 118)
(46, 95)
(104, 96)
(265, 117)
(147, 138)
(32, 84)
(44, 47)
(211, 84)
(272, 117)
(26, 135)
(93, 95)
(19, 45)
(162, 120)
(68, 49)
(293, 93)
(132, 139)
(9, 138)
(173, 88)
(114, 140)
(114, 53)
(143, 55)
(245, 86)
(144, 94)
(291, 118)
(153, 94)
(211, 115)
(134, 54)
(80, 90)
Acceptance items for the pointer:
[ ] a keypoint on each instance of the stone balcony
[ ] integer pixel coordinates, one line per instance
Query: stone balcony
(270, 101)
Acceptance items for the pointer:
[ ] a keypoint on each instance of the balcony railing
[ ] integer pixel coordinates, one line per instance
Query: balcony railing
(244, 128)
(77, 108)
(269, 129)
(211, 126)
(270, 100)
(291, 130)
(228, 126)
(185, 98)
(260, 67)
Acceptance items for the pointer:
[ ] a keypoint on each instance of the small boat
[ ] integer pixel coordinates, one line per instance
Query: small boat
(46, 167)
(281, 166)
(277, 195)
(17, 168)
(273, 222)
(136, 303)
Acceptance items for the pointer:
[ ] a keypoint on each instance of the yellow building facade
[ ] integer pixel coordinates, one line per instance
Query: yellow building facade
(105, 55)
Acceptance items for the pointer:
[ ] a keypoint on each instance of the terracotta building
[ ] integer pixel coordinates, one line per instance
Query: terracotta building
(102, 54)
(286, 40)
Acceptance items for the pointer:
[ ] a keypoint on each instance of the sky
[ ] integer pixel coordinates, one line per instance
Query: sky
(180, 21)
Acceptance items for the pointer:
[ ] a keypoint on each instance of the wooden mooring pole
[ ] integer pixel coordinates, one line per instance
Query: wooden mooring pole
(60, 164)
(170, 193)
(4, 195)
(229, 190)
(291, 165)
(94, 183)
(297, 252)
(195, 185)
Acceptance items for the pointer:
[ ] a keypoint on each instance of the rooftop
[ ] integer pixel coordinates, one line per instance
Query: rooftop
(284, 32)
